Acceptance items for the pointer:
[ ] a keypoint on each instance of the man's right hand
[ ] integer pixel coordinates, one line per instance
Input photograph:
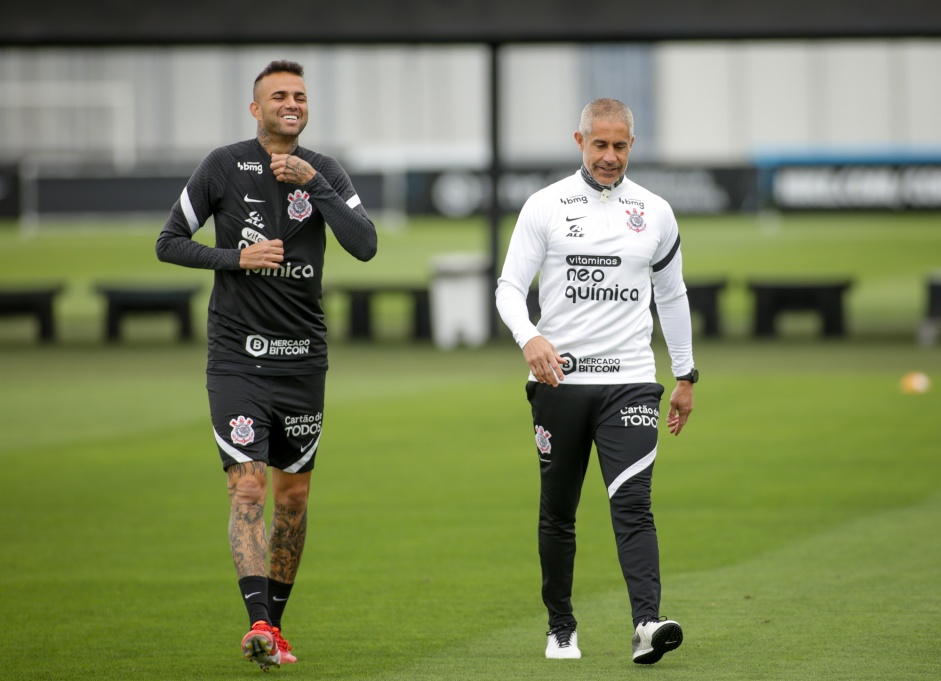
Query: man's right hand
(544, 361)
(263, 255)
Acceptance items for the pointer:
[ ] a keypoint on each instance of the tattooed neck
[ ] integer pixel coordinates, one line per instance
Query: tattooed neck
(276, 145)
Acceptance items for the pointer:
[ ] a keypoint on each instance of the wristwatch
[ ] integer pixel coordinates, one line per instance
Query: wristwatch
(692, 376)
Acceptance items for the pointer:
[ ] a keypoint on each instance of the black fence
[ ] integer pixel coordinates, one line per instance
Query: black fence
(785, 186)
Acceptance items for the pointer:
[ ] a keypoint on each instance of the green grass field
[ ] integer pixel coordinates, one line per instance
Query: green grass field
(798, 513)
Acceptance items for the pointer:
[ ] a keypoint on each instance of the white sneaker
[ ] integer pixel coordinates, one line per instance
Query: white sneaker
(563, 643)
(653, 638)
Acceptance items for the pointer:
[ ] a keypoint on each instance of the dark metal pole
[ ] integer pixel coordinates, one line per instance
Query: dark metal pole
(496, 169)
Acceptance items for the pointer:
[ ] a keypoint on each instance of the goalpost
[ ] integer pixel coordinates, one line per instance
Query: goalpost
(62, 122)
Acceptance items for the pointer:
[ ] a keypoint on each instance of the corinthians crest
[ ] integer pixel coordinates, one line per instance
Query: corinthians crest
(242, 431)
(635, 220)
(542, 442)
(299, 207)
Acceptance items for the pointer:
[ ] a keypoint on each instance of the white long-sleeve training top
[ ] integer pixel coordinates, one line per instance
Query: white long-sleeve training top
(597, 252)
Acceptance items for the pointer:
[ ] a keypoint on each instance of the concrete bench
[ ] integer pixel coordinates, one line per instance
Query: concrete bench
(822, 297)
(38, 302)
(361, 307)
(140, 300)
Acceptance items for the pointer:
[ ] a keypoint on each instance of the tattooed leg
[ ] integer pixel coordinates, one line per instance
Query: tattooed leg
(248, 489)
(288, 523)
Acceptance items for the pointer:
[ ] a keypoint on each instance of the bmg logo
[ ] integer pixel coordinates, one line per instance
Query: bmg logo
(252, 166)
(256, 345)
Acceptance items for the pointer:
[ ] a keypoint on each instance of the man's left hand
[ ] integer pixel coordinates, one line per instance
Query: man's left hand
(681, 406)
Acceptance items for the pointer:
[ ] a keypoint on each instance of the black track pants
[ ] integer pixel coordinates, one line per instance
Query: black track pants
(621, 420)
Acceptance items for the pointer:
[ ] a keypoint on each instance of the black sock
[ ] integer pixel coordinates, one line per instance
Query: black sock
(255, 595)
(278, 594)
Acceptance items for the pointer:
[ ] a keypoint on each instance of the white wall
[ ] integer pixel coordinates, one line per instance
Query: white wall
(919, 75)
(698, 102)
(541, 103)
(725, 102)
(427, 106)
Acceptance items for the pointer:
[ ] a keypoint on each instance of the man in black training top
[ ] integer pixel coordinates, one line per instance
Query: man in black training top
(271, 201)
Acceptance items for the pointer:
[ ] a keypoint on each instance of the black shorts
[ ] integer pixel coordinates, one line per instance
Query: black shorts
(274, 419)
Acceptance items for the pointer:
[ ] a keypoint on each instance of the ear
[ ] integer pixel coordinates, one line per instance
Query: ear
(580, 140)
(255, 109)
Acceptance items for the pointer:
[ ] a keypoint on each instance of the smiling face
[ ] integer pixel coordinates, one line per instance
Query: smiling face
(280, 106)
(605, 149)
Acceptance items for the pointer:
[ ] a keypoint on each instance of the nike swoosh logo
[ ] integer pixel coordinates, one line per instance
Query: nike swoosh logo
(248, 200)
(253, 593)
(568, 219)
(279, 600)
(307, 446)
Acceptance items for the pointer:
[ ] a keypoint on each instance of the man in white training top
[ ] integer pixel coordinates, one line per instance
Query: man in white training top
(602, 245)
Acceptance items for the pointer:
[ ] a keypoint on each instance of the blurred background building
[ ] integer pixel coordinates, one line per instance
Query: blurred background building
(414, 120)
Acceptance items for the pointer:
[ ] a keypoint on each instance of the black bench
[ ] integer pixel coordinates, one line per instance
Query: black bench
(703, 299)
(823, 297)
(361, 299)
(928, 332)
(532, 305)
(133, 300)
(32, 301)
(934, 298)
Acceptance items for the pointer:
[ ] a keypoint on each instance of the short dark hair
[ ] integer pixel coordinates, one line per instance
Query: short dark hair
(280, 66)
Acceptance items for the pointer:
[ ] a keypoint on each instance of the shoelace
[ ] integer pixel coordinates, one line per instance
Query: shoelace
(281, 641)
(563, 635)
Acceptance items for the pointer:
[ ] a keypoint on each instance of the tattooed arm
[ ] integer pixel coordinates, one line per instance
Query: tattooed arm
(335, 198)
(292, 169)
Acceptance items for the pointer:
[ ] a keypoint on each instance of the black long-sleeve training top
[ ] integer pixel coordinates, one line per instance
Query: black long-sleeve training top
(266, 320)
